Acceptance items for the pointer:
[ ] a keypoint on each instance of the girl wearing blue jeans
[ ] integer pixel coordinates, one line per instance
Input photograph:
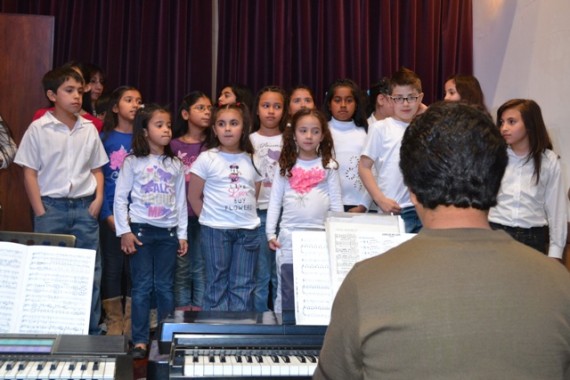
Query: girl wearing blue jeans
(153, 179)
(222, 191)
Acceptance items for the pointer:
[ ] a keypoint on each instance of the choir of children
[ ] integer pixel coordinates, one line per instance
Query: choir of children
(219, 175)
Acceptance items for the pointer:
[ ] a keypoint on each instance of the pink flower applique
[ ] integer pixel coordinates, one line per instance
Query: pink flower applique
(303, 181)
(117, 157)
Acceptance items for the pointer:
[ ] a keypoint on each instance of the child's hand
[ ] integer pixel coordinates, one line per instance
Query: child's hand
(274, 244)
(95, 207)
(389, 205)
(183, 247)
(128, 242)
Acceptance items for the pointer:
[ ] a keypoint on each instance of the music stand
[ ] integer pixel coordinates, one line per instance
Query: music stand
(38, 238)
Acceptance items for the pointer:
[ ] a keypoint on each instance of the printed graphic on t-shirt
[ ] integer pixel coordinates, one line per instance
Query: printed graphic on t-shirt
(187, 161)
(268, 161)
(351, 173)
(239, 195)
(303, 181)
(117, 157)
(157, 191)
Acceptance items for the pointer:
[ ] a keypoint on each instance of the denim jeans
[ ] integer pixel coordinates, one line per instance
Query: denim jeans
(412, 222)
(535, 237)
(152, 268)
(71, 216)
(190, 275)
(116, 277)
(231, 258)
(265, 271)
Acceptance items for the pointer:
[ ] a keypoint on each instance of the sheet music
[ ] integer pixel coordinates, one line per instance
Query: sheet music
(312, 278)
(321, 260)
(52, 289)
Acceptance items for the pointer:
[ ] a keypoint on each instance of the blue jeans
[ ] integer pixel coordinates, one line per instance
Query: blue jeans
(71, 216)
(412, 222)
(265, 271)
(190, 275)
(231, 258)
(116, 277)
(152, 268)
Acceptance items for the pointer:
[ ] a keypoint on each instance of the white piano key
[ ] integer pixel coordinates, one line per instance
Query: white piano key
(236, 366)
(200, 367)
(77, 371)
(98, 369)
(12, 368)
(218, 366)
(109, 372)
(56, 370)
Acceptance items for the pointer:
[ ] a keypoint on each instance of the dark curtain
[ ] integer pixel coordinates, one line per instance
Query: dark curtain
(286, 42)
(164, 48)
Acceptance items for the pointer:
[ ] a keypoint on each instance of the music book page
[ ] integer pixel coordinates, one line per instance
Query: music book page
(321, 260)
(45, 289)
(312, 278)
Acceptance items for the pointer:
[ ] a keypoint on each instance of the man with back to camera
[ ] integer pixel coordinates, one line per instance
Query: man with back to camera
(458, 301)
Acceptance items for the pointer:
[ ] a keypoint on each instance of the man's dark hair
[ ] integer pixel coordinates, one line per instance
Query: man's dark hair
(453, 155)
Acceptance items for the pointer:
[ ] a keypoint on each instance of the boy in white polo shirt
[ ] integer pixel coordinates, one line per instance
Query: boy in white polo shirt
(382, 150)
(62, 156)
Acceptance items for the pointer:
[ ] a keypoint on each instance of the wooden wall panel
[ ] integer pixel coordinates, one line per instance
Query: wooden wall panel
(26, 47)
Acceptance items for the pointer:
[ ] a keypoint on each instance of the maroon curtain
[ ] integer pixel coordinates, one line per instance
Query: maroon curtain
(286, 42)
(164, 48)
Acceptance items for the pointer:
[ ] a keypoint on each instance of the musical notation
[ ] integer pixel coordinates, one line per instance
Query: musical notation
(45, 289)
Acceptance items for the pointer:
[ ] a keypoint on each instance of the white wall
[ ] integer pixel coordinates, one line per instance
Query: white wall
(521, 50)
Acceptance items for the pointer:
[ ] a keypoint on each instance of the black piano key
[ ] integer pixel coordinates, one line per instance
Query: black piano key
(9, 366)
(211, 359)
(21, 366)
(71, 366)
(53, 366)
(286, 359)
(301, 358)
(259, 358)
(275, 358)
(96, 366)
(311, 358)
(83, 366)
(195, 359)
(40, 366)
(248, 359)
(222, 359)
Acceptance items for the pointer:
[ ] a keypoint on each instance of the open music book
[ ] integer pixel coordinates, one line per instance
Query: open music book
(322, 259)
(45, 289)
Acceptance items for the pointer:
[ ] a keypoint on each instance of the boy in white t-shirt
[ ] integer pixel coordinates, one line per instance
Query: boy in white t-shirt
(382, 150)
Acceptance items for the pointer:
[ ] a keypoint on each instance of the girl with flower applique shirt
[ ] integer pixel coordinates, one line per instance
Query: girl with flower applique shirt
(305, 187)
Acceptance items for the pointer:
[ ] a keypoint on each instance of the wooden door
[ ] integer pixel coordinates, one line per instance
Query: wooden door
(26, 46)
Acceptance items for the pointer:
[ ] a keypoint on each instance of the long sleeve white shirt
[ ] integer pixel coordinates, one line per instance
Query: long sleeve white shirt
(523, 203)
(157, 191)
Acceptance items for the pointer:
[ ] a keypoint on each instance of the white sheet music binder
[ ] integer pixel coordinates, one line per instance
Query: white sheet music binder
(45, 289)
(322, 259)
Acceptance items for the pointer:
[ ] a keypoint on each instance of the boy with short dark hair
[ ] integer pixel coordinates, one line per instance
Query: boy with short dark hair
(382, 150)
(62, 156)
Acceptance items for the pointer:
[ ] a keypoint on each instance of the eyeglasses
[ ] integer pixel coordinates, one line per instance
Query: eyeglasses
(400, 99)
(201, 107)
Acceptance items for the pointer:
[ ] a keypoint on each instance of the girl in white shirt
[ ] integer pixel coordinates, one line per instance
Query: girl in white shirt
(344, 108)
(305, 187)
(531, 204)
(151, 218)
(268, 124)
(222, 191)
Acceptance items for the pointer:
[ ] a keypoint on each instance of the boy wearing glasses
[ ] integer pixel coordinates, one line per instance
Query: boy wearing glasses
(382, 149)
